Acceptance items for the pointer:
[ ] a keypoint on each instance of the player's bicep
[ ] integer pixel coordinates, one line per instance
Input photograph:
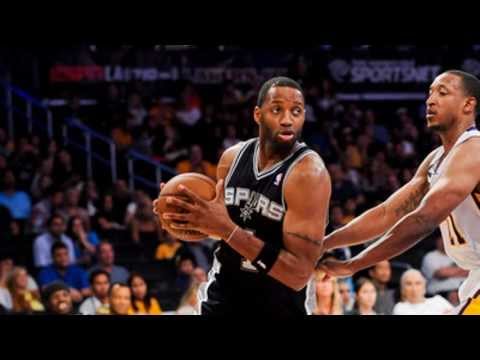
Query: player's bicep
(307, 195)
(461, 177)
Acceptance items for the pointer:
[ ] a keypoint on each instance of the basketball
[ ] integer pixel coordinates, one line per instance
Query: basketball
(200, 184)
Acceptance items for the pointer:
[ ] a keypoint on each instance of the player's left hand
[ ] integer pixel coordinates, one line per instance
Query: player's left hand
(336, 268)
(208, 217)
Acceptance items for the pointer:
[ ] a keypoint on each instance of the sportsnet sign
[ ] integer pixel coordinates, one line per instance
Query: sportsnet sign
(357, 71)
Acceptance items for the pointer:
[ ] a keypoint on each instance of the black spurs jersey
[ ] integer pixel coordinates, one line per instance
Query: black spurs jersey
(255, 202)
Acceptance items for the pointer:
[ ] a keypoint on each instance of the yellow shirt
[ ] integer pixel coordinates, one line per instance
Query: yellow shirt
(154, 308)
(166, 251)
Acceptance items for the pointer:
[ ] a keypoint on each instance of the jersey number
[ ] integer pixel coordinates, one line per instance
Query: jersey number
(456, 238)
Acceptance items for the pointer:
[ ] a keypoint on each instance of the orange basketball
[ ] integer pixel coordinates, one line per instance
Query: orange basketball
(200, 184)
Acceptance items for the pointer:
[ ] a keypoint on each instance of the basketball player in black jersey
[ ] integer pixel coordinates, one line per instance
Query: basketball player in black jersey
(270, 211)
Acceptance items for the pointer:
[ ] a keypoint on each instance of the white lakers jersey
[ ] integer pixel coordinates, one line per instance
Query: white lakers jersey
(461, 230)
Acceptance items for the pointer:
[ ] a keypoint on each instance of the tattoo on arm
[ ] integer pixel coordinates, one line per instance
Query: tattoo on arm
(412, 202)
(307, 238)
(424, 222)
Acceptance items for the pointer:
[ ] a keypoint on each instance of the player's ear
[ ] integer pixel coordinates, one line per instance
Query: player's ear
(470, 105)
(257, 114)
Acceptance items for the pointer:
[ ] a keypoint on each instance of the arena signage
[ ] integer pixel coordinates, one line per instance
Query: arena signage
(360, 71)
(198, 75)
(96, 73)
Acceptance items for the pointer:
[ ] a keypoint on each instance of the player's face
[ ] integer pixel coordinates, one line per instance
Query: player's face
(281, 116)
(447, 102)
(413, 288)
(367, 295)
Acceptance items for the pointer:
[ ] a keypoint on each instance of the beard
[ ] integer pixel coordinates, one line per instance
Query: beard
(280, 147)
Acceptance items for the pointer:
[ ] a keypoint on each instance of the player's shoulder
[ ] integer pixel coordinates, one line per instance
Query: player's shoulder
(310, 168)
(469, 146)
(231, 153)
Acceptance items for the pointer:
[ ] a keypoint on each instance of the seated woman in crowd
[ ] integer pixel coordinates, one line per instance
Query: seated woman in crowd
(142, 303)
(365, 298)
(23, 300)
(328, 297)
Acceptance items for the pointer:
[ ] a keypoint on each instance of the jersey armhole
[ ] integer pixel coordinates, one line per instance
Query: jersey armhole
(236, 160)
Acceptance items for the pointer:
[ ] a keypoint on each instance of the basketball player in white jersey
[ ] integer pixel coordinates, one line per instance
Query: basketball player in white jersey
(444, 192)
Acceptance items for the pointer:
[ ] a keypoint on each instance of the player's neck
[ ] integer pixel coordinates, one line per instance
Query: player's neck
(269, 155)
(450, 137)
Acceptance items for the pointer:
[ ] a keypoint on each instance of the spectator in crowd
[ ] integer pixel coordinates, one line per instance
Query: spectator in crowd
(90, 198)
(120, 299)
(43, 243)
(85, 241)
(145, 228)
(172, 148)
(197, 164)
(168, 248)
(18, 202)
(346, 292)
(6, 299)
(185, 267)
(61, 270)
(136, 111)
(328, 297)
(42, 179)
(200, 252)
(44, 209)
(6, 267)
(414, 302)
(72, 208)
(57, 299)
(23, 300)
(381, 275)
(9, 229)
(231, 138)
(342, 188)
(189, 303)
(106, 261)
(190, 112)
(121, 198)
(121, 135)
(63, 171)
(106, 221)
(25, 162)
(143, 303)
(199, 275)
(98, 303)
(365, 298)
(443, 275)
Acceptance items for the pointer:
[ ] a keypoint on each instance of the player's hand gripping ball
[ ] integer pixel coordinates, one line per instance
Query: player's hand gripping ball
(200, 184)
